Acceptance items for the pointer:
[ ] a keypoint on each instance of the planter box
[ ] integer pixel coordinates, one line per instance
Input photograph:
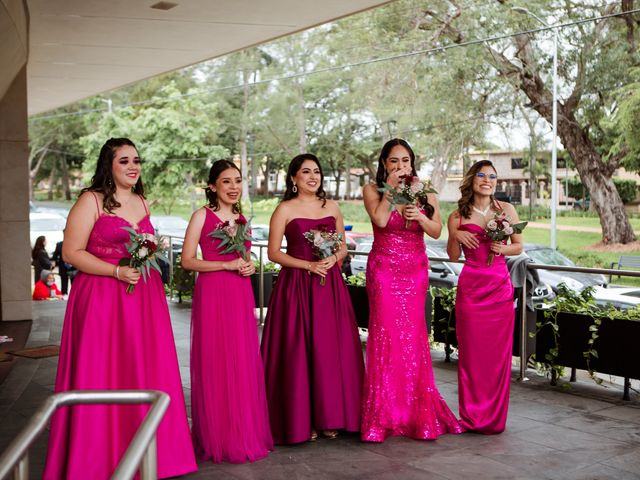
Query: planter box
(269, 281)
(449, 338)
(360, 302)
(616, 345)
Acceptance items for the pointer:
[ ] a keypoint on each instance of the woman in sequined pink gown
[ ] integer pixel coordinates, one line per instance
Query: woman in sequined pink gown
(400, 396)
(484, 303)
(112, 339)
(228, 401)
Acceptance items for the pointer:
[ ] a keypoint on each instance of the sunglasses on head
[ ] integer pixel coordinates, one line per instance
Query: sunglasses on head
(490, 176)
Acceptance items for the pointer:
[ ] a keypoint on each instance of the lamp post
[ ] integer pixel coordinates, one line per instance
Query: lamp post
(554, 126)
(109, 103)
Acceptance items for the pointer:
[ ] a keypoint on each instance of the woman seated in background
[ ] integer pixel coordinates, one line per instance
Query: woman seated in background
(46, 288)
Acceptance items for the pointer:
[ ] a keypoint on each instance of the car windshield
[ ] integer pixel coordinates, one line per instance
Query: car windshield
(549, 256)
(47, 224)
(176, 223)
(259, 234)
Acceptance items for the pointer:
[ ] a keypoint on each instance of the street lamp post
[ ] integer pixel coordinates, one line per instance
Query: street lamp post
(554, 127)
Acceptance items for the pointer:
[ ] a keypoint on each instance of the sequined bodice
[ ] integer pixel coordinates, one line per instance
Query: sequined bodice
(395, 239)
(211, 246)
(297, 245)
(108, 239)
(478, 256)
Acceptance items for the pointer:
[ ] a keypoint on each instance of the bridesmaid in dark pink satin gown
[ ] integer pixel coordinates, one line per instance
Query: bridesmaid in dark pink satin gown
(310, 344)
(484, 303)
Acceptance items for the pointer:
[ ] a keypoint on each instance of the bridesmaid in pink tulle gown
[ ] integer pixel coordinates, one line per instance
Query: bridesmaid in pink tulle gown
(112, 339)
(400, 395)
(228, 401)
(484, 303)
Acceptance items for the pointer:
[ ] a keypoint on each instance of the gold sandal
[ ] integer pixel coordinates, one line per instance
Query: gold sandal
(330, 434)
(314, 436)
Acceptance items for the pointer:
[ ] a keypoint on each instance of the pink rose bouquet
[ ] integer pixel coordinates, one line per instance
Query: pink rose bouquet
(499, 228)
(324, 243)
(144, 251)
(410, 190)
(234, 234)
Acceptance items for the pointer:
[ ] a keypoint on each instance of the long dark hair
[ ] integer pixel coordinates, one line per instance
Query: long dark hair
(37, 247)
(217, 168)
(102, 180)
(381, 174)
(294, 168)
(466, 188)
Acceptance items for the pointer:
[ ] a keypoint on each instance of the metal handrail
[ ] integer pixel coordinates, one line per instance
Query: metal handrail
(141, 452)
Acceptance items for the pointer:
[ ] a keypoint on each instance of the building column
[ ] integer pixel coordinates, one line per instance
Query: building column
(15, 257)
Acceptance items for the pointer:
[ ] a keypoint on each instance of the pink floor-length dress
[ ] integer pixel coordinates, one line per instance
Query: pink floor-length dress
(113, 340)
(400, 396)
(228, 400)
(484, 328)
(311, 348)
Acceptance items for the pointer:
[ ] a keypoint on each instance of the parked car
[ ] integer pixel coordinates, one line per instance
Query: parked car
(50, 225)
(359, 262)
(171, 226)
(623, 298)
(550, 279)
(260, 235)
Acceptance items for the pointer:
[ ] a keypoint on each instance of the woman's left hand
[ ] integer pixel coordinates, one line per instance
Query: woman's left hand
(498, 248)
(412, 212)
(329, 262)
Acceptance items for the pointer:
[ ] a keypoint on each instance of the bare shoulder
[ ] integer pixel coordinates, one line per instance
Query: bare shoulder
(455, 215)
(87, 202)
(508, 208)
(332, 206)
(199, 214)
(370, 188)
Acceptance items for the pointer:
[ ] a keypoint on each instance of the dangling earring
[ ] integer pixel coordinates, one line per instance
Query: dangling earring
(295, 188)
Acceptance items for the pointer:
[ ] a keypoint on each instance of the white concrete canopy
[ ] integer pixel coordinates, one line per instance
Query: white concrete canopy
(79, 48)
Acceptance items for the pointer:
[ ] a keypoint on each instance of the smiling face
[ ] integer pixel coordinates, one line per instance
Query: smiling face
(485, 181)
(399, 159)
(228, 186)
(308, 178)
(126, 167)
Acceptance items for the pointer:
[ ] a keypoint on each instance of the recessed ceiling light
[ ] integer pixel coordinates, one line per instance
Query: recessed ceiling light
(164, 5)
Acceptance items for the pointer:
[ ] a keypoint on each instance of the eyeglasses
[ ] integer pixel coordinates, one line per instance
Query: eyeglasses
(491, 176)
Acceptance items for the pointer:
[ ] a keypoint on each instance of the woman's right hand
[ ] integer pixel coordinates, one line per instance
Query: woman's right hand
(128, 275)
(318, 268)
(468, 239)
(235, 264)
(393, 178)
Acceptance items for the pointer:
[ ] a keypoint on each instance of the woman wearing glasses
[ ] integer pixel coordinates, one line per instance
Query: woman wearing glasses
(484, 302)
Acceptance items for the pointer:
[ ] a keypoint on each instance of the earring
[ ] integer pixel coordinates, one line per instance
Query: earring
(295, 188)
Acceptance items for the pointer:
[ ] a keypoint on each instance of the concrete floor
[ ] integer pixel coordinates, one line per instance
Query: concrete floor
(582, 432)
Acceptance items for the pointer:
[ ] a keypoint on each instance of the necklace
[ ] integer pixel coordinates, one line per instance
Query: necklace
(481, 212)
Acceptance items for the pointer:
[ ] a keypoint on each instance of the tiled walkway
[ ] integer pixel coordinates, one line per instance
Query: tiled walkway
(585, 432)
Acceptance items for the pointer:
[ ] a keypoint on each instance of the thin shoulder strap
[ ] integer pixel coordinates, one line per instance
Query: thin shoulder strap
(95, 197)
(144, 204)
(498, 205)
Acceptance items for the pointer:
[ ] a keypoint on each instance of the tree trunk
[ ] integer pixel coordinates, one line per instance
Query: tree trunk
(33, 172)
(347, 190)
(594, 172)
(300, 120)
(243, 133)
(52, 179)
(337, 176)
(66, 184)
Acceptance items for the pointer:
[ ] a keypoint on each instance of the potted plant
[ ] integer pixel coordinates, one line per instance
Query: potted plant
(573, 331)
(270, 275)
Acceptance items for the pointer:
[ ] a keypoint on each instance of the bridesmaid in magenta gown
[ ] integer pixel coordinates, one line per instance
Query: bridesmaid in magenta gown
(228, 402)
(112, 339)
(400, 395)
(310, 344)
(484, 303)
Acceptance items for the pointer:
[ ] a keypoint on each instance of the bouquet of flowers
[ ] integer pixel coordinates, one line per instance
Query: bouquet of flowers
(500, 227)
(143, 248)
(234, 234)
(325, 243)
(409, 191)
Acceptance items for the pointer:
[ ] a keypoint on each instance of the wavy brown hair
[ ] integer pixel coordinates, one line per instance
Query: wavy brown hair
(294, 168)
(38, 247)
(217, 168)
(381, 174)
(102, 180)
(465, 204)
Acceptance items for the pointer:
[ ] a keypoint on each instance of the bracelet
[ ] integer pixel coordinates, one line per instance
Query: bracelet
(335, 255)
(309, 268)
(117, 272)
